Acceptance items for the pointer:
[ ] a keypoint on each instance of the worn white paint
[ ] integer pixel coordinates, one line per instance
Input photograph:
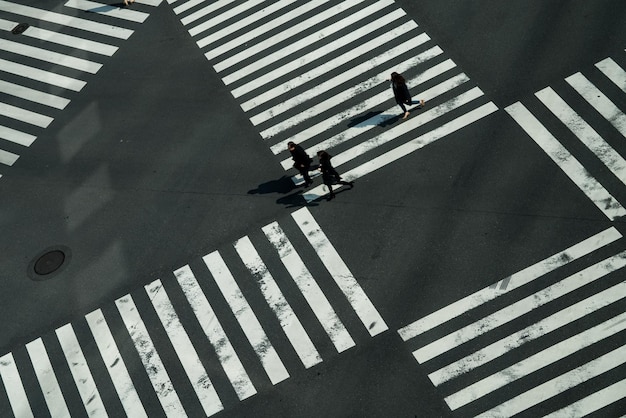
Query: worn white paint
(108, 10)
(614, 72)
(41, 75)
(14, 387)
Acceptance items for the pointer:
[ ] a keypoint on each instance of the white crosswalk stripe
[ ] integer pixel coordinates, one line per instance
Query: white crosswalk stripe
(227, 296)
(600, 90)
(51, 71)
(316, 71)
(476, 344)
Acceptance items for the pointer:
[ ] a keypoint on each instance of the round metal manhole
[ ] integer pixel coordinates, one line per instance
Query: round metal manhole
(48, 263)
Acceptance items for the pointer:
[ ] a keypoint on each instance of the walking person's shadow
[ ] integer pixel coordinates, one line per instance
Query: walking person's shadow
(283, 185)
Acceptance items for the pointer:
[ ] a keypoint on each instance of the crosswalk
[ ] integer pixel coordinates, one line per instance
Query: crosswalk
(316, 73)
(521, 342)
(239, 320)
(599, 93)
(44, 66)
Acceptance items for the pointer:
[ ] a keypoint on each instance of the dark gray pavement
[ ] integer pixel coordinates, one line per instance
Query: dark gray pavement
(154, 165)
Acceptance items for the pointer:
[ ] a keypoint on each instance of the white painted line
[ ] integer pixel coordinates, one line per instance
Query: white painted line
(187, 354)
(530, 333)
(349, 93)
(153, 3)
(115, 365)
(72, 41)
(407, 148)
(561, 383)
(33, 95)
(14, 387)
(215, 333)
(149, 357)
(47, 379)
(311, 291)
(327, 65)
(358, 109)
(340, 273)
(108, 10)
(566, 161)
(587, 135)
(516, 281)
(242, 23)
(342, 78)
(380, 118)
(186, 6)
(231, 13)
(205, 11)
(248, 321)
(408, 125)
(519, 308)
(16, 137)
(50, 56)
(41, 75)
(614, 72)
(290, 323)
(256, 32)
(593, 402)
(24, 115)
(262, 62)
(64, 20)
(61, 39)
(80, 372)
(8, 158)
(599, 101)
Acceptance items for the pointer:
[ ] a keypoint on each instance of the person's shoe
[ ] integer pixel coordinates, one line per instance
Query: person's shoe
(330, 197)
(422, 103)
(406, 115)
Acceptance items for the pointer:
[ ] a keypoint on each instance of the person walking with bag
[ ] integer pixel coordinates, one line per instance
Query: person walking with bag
(301, 161)
(330, 176)
(401, 93)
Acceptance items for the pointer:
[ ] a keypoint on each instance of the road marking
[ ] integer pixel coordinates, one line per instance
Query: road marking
(593, 402)
(150, 358)
(205, 11)
(317, 19)
(115, 365)
(241, 23)
(566, 161)
(584, 132)
(198, 377)
(80, 371)
(50, 56)
(614, 72)
(61, 19)
(41, 75)
(17, 137)
(61, 39)
(340, 273)
(47, 379)
(215, 333)
(24, 115)
(326, 66)
(599, 101)
(290, 323)
(333, 82)
(107, 10)
(516, 280)
(33, 95)
(234, 11)
(249, 323)
(14, 387)
(8, 158)
(311, 291)
(530, 333)
(565, 381)
(407, 148)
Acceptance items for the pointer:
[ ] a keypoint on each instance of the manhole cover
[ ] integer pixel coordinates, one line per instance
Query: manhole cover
(19, 28)
(49, 263)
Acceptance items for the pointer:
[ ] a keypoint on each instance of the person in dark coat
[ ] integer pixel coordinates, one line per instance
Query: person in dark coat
(330, 176)
(301, 161)
(401, 93)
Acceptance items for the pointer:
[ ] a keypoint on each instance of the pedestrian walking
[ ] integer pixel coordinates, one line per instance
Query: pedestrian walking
(128, 1)
(330, 176)
(401, 93)
(301, 161)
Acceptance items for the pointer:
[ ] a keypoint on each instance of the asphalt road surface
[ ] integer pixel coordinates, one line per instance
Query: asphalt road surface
(160, 257)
